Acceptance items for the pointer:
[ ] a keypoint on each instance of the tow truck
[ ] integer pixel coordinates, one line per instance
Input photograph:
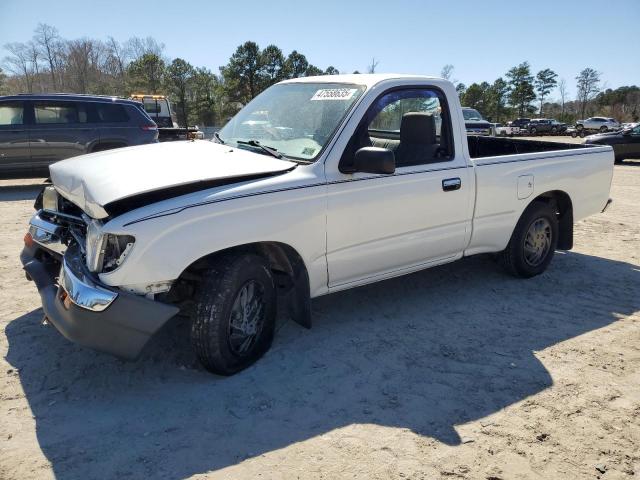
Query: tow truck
(158, 108)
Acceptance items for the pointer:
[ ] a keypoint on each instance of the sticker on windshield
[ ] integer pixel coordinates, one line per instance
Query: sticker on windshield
(334, 94)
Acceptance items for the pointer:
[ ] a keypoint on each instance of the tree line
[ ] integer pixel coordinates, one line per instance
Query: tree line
(50, 63)
(522, 94)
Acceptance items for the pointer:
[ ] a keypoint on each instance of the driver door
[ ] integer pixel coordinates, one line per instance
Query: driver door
(381, 225)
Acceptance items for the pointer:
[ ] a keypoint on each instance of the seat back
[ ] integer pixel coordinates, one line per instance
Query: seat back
(417, 139)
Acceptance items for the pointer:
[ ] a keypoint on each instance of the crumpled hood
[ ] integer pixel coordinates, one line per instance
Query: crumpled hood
(95, 180)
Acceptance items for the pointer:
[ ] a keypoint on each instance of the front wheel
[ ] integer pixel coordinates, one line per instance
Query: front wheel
(234, 315)
(603, 129)
(533, 241)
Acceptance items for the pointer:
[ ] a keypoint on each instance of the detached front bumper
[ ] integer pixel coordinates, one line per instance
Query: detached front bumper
(88, 313)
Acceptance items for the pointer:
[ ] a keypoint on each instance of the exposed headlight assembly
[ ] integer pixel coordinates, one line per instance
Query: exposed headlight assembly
(50, 199)
(116, 249)
(105, 251)
(94, 244)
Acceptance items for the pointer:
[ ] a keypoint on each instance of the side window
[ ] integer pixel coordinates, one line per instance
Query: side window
(53, 112)
(11, 113)
(111, 113)
(413, 123)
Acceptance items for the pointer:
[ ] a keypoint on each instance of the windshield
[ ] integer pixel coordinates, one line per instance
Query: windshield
(296, 119)
(471, 114)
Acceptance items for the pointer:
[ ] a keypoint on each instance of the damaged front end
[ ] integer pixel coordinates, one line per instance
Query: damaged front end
(64, 252)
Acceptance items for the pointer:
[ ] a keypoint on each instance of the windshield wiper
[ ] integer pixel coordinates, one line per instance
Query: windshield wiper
(255, 143)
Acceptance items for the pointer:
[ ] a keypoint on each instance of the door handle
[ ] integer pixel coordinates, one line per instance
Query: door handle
(450, 184)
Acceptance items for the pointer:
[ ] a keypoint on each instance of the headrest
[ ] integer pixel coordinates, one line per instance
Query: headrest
(417, 128)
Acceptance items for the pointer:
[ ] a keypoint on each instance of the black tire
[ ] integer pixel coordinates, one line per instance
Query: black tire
(581, 133)
(534, 132)
(554, 131)
(603, 129)
(516, 259)
(574, 134)
(579, 126)
(211, 327)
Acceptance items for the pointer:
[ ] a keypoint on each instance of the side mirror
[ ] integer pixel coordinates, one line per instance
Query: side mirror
(375, 160)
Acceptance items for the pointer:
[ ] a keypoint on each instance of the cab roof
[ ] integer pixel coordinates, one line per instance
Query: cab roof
(366, 79)
(69, 96)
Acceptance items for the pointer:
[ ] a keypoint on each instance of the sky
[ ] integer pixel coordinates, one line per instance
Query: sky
(482, 39)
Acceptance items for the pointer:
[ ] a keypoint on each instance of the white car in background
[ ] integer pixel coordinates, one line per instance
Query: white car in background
(601, 124)
(501, 130)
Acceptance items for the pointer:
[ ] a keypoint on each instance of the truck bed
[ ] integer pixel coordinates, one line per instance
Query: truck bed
(480, 146)
(512, 172)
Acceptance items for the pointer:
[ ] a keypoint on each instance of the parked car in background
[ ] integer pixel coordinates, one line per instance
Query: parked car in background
(520, 123)
(574, 132)
(625, 143)
(602, 124)
(545, 126)
(474, 123)
(374, 178)
(501, 130)
(38, 130)
(158, 108)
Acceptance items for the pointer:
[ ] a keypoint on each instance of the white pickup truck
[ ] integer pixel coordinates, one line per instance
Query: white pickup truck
(347, 180)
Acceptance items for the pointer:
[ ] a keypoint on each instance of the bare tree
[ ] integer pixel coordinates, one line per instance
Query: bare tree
(138, 47)
(34, 58)
(49, 42)
(588, 81)
(18, 62)
(117, 59)
(84, 62)
(447, 72)
(372, 66)
(562, 88)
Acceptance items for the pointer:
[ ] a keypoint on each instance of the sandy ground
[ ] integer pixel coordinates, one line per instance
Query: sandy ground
(455, 372)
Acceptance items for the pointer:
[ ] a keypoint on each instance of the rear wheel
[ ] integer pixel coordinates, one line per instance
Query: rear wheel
(534, 131)
(603, 129)
(533, 241)
(234, 318)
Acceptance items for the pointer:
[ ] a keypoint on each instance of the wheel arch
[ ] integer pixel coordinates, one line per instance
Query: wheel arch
(561, 202)
(287, 266)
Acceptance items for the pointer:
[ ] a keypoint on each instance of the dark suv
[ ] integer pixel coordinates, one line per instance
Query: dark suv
(520, 123)
(38, 130)
(546, 126)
